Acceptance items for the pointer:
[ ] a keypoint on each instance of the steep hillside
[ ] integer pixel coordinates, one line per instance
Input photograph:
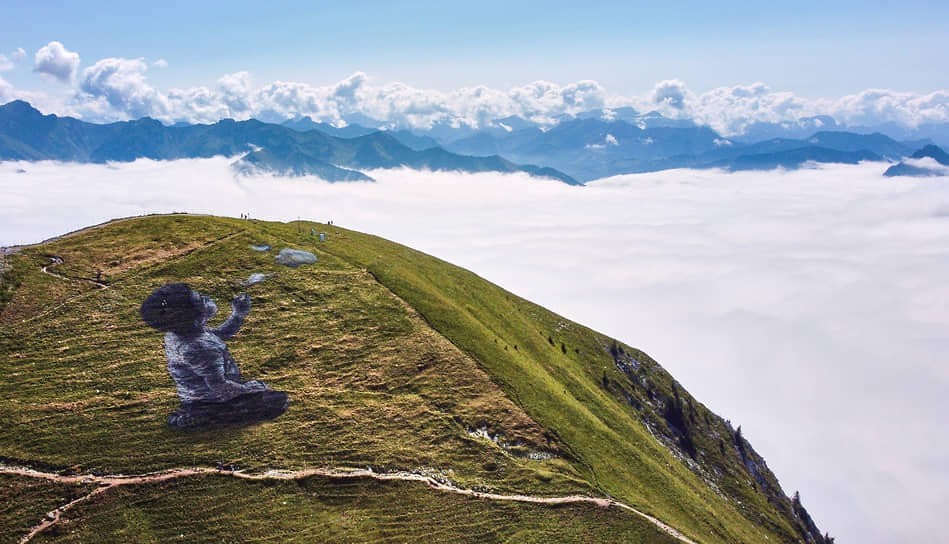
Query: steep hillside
(426, 404)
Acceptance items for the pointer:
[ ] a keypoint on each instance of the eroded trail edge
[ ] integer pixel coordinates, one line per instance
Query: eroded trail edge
(106, 482)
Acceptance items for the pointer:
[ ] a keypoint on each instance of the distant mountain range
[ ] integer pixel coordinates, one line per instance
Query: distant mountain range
(594, 148)
(918, 166)
(584, 147)
(27, 134)
(601, 143)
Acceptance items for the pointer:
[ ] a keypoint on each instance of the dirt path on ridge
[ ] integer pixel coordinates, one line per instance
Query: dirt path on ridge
(56, 261)
(106, 482)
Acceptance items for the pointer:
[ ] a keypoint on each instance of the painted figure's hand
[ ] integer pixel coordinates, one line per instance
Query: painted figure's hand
(241, 304)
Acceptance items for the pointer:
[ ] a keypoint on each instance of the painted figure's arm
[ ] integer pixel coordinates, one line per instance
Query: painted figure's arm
(240, 307)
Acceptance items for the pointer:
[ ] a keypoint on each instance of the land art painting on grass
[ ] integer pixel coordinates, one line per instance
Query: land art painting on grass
(208, 381)
(745, 297)
(207, 378)
(760, 203)
(400, 367)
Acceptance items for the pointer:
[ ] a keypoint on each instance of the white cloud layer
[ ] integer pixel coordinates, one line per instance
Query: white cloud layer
(809, 306)
(930, 164)
(118, 89)
(7, 92)
(53, 59)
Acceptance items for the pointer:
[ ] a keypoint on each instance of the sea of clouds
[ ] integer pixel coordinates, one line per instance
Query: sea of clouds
(117, 88)
(811, 307)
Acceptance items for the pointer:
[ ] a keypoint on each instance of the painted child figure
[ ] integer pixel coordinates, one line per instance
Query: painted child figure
(207, 378)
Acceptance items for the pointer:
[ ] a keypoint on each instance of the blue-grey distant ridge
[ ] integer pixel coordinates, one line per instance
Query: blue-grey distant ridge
(930, 151)
(27, 134)
(576, 149)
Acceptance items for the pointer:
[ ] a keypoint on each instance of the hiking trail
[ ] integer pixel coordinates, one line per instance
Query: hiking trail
(105, 482)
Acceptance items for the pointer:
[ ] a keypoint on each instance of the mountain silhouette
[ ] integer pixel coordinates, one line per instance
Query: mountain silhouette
(26, 134)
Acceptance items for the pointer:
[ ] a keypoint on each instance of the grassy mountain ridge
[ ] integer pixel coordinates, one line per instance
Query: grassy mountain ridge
(392, 359)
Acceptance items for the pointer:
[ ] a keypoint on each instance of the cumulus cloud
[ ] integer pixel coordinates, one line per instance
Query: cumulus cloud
(6, 91)
(544, 102)
(809, 306)
(7, 61)
(346, 89)
(54, 60)
(121, 83)
(117, 88)
(731, 109)
(728, 110)
(121, 87)
(235, 92)
(609, 140)
(911, 109)
(671, 93)
(287, 99)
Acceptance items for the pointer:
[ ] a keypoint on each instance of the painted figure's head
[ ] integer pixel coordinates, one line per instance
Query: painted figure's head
(177, 308)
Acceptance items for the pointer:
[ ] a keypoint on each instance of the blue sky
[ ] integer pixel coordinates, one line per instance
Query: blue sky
(812, 48)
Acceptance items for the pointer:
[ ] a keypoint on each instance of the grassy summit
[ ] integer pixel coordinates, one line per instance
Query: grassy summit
(393, 360)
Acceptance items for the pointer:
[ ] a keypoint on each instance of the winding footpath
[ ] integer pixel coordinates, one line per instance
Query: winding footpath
(57, 261)
(106, 482)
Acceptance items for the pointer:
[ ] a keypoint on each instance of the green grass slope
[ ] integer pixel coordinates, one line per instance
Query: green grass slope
(24, 502)
(330, 511)
(391, 359)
